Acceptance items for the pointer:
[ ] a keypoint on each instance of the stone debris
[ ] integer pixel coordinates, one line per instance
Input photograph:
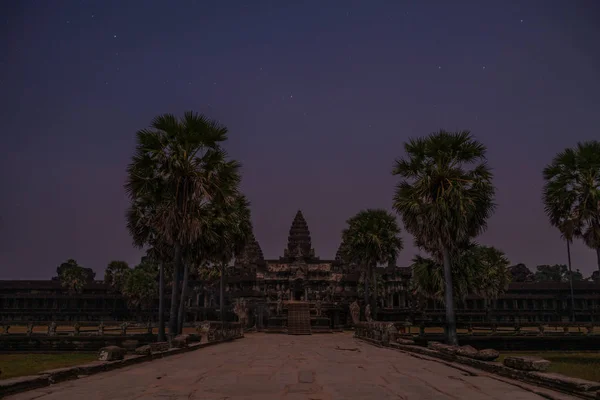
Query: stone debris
(487, 355)
(527, 363)
(143, 350)
(443, 348)
(408, 342)
(159, 346)
(111, 353)
(180, 341)
(467, 351)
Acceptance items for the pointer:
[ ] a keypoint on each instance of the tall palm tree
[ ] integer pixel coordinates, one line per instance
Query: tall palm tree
(445, 198)
(178, 167)
(371, 238)
(572, 191)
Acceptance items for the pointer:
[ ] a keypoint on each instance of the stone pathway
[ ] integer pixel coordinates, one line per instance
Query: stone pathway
(273, 366)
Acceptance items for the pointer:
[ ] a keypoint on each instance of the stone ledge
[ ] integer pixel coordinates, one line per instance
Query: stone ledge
(46, 378)
(579, 387)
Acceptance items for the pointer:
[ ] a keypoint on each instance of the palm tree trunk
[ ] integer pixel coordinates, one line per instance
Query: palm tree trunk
(571, 281)
(161, 303)
(374, 277)
(222, 293)
(450, 318)
(367, 297)
(175, 292)
(181, 313)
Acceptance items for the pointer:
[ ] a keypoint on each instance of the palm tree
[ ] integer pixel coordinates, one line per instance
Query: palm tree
(572, 192)
(115, 274)
(178, 167)
(445, 198)
(232, 226)
(141, 218)
(370, 239)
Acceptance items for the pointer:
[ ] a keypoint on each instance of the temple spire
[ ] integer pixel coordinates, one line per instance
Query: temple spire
(252, 253)
(299, 244)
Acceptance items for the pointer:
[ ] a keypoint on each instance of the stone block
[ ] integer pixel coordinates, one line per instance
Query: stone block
(180, 341)
(143, 350)
(130, 345)
(443, 348)
(159, 346)
(409, 342)
(111, 353)
(467, 351)
(487, 355)
(527, 363)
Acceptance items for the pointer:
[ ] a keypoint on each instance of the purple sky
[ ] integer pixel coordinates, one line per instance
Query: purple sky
(318, 96)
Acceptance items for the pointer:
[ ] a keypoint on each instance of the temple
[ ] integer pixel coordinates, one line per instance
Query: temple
(276, 292)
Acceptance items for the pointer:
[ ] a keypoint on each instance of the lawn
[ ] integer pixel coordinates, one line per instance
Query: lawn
(577, 365)
(13, 365)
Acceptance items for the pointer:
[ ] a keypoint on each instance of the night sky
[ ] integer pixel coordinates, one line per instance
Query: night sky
(318, 96)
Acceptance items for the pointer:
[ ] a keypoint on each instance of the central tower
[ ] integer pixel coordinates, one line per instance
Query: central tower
(299, 248)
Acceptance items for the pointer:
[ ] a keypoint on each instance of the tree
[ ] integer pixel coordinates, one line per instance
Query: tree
(372, 237)
(520, 273)
(572, 193)
(140, 285)
(177, 169)
(549, 273)
(232, 227)
(476, 270)
(445, 198)
(115, 274)
(88, 273)
(73, 276)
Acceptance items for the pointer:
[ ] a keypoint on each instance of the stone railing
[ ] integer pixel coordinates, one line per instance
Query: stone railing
(514, 328)
(381, 333)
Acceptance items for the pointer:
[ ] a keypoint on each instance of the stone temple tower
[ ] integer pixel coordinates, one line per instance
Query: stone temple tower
(299, 246)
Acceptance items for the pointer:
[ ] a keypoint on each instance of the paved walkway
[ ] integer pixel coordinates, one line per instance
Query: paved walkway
(265, 367)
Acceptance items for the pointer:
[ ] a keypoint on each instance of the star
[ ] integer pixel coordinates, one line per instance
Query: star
(484, 67)
(68, 22)
(521, 21)
(114, 36)
(93, 15)
(291, 96)
(439, 67)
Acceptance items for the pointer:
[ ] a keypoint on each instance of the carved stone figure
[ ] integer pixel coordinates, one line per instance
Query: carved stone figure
(30, 329)
(52, 329)
(5, 329)
(279, 303)
(368, 313)
(149, 327)
(318, 306)
(124, 326)
(241, 311)
(76, 328)
(101, 329)
(355, 312)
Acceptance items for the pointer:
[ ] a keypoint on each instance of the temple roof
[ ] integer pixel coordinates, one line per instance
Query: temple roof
(299, 243)
(252, 253)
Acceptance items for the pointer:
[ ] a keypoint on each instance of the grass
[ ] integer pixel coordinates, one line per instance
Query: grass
(14, 365)
(574, 364)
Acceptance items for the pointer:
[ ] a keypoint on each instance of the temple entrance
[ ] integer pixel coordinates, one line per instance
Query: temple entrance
(298, 295)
